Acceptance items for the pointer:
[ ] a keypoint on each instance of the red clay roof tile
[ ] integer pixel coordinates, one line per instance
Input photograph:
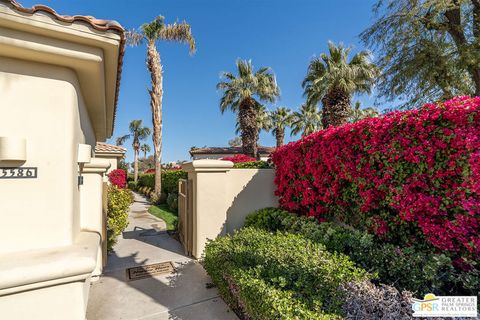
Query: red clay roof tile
(97, 24)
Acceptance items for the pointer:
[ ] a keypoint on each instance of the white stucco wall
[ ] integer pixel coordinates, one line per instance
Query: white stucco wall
(43, 104)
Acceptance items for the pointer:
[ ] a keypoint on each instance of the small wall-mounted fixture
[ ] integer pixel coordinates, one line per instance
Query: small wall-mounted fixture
(84, 153)
(13, 149)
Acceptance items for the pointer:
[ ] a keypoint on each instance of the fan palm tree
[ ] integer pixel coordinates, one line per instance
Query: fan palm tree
(332, 80)
(307, 120)
(145, 148)
(263, 121)
(242, 94)
(357, 113)
(138, 133)
(151, 33)
(280, 118)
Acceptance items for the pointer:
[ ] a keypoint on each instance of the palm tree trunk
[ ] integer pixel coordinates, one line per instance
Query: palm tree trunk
(280, 136)
(135, 165)
(336, 108)
(248, 125)
(156, 95)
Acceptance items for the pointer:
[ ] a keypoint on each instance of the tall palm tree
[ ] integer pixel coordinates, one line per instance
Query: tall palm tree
(242, 94)
(357, 113)
(307, 120)
(333, 80)
(138, 133)
(263, 121)
(280, 118)
(151, 33)
(145, 148)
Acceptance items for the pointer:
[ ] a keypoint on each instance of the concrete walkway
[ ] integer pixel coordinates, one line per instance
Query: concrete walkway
(182, 295)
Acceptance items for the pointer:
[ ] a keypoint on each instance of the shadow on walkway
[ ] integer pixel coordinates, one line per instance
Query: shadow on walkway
(181, 295)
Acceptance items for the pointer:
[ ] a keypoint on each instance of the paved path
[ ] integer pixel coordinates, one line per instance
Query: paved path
(181, 296)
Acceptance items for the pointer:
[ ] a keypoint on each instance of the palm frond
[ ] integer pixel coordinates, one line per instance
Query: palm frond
(121, 140)
(134, 38)
(247, 85)
(151, 30)
(178, 32)
(333, 72)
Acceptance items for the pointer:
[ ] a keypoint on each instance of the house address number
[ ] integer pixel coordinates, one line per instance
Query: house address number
(18, 173)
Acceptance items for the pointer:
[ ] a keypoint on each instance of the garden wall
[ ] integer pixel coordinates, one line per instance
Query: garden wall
(222, 197)
(409, 177)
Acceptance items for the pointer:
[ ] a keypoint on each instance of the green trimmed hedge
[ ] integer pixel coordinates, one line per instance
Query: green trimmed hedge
(409, 268)
(146, 185)
(169, 180)
(279, 276)
(252, 165)
(118, 204)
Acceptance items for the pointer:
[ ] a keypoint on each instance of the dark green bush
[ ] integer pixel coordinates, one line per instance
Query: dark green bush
(169, 180)
(118, 204)
(407, 268)
(252, 165)
(146, 180)
(279, 276)
(267, 218)
(172, 201)
(132, 185)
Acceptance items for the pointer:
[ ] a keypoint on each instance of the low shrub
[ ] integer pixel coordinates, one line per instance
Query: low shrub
(118, 204)
(364, 300)
(427, 270)
(279, 276)
(118, 178)
(252, 165)
(267, 218)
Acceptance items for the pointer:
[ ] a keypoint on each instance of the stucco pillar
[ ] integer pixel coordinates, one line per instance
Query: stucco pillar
(91, 203)
(210, 203)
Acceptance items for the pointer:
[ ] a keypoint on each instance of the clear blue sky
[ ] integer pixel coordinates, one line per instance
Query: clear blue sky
(283, 35)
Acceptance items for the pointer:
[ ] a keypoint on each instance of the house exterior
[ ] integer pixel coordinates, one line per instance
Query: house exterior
(59, 81)
(111, 153)
(216, 153)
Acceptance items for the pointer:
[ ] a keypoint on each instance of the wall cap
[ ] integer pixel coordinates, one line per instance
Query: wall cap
(207, 165)
(96, 166)
(45, 267)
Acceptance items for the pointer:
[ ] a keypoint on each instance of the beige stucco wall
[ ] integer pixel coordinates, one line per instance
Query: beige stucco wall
(58, 85)
(223, 197)
(248, 190)
(44, 105)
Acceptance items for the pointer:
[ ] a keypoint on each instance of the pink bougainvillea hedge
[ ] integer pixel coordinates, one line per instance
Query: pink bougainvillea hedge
(118, 178)
(410, 177)
(239, 158)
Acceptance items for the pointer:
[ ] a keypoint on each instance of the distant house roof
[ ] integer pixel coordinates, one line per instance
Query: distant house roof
(109, 148)
(230, 150)
(97, 24)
